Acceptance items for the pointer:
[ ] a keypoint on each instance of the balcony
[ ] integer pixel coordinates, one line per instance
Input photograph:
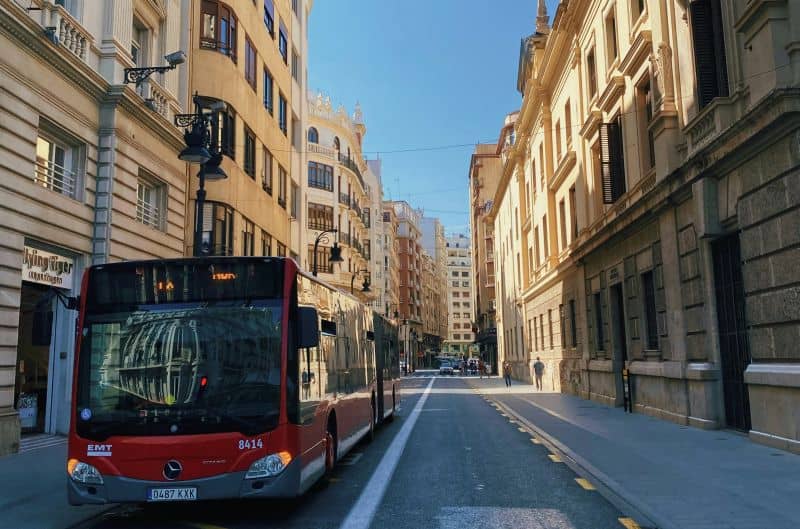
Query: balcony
(67, 29)
(344, 238)
(353, 166)
(344, 199)
(356, 208)
(316, 148)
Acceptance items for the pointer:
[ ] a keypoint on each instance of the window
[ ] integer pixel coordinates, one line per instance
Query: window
(139, 41)
(558, 141)
(219, 26)
(248, 237)
(269, 17)
(282, 177)
(57, 164)
(649, 300)
(268, 93)
(573, 213)
(591, 71)
(550, 325)
(457, 304)
(541, 330)
(455, 283)
(464, 274)
(561, 325)
(532, 323)
(266, 171)
(598, 322)
(611, 37)
(536, 246)
(711, 70)
(320, 217)
(456, 325)
(545, 234)
(280, 251)
(313, 135)
(249, 153)
(573, 323)
(568, 124)
(541, 166)
(456, 336)
(612, 162)
(249, 62)
(644, 101)
(266, 244)
(283, 44)
(456, 294)
(320, 176)
(637, 8)
(454, 274)
(336, 144)
(323, 263)
(282, 117)
(466, 304)
(465, 283)
(150, 201)
(295, 9)
(562, 214)
(218, 238)
(224, 133)
(295, 209)
(295, 65)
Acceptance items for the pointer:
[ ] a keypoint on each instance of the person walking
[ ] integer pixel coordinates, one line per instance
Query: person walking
(538, 370)
(507, 373)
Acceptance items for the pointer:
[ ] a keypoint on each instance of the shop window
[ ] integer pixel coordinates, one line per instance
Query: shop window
(151, 198)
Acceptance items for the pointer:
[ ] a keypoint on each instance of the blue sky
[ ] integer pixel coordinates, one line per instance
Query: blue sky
(428, 74)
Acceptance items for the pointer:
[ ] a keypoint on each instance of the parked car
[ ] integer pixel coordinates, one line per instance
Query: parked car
(445, 368)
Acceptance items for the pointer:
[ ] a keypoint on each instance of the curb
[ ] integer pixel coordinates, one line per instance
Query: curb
(623, 499)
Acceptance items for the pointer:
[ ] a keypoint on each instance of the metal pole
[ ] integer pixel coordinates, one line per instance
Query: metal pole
(352, 280)
(316, 245)
(200, 205)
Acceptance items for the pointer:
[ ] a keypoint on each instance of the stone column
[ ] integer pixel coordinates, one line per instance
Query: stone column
(106, 169)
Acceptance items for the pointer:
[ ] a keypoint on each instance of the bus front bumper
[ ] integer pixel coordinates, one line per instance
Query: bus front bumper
(118, 489)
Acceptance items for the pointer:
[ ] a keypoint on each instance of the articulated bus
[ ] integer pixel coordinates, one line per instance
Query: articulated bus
(232, 377)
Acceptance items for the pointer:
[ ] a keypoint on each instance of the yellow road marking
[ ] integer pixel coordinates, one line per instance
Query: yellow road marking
(585, 484)
(522, 429)
(554, 458)
(535, 441)
(629, 523)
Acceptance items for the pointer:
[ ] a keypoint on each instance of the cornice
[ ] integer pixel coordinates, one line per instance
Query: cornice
(593, 120)
(640, 49)
(564, 167)
(612, 93)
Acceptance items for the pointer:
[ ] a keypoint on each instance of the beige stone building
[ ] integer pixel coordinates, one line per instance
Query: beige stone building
(89, 173)
(252, 56)
(459, 295)
(654, 179)
(391, 266)
(434, 245)
(485, 172)
(341, 195)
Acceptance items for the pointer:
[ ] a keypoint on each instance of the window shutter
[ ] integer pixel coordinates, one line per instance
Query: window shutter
(709, 51)
(612, 165)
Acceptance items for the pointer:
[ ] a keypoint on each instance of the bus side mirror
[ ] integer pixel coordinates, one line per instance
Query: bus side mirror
(308, 327)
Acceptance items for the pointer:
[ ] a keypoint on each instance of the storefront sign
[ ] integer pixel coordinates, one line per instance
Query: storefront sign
(47, 268)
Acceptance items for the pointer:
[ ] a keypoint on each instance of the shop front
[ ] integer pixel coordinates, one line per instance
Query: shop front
(45, 340)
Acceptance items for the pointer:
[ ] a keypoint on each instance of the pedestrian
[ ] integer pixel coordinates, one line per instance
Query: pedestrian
(480, 367)
(538, 370)
(507, 373)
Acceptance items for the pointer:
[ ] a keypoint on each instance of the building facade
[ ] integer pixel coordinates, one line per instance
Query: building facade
(409, 252)
(391, 264)
(434, 244)
(340, 196)
(655, 174)
(90, 175)
(485, 171)
(459, 295)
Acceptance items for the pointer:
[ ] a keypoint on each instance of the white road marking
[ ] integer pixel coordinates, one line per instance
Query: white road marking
(363, 511)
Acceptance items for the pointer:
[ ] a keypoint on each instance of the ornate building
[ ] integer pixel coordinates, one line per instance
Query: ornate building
(653, 180)
(90, 175)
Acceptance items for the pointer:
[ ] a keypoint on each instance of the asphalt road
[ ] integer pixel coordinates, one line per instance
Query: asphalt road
(453, 461)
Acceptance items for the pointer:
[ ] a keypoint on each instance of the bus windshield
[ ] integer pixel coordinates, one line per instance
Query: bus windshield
(205, 358)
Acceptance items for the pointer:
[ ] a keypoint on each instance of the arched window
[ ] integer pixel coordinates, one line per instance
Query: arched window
(336, 144)
(313, 135)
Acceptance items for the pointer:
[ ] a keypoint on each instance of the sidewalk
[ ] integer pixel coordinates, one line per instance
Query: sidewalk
(33, 491)
(676, 477)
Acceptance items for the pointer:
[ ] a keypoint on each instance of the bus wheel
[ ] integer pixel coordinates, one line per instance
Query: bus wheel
(330, 450)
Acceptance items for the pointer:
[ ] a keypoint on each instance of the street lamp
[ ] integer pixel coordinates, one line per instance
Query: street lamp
(139, 75)
(364, 285)
(336, 252)
(198, 141)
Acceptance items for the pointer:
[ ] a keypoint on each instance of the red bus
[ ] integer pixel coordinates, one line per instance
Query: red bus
(232, 377)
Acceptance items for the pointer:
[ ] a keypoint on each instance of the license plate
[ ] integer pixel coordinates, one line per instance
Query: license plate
(173, 494)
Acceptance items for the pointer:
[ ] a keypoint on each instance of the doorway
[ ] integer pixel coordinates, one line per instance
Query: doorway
(733, 345)
(33, 356)
(619, 340)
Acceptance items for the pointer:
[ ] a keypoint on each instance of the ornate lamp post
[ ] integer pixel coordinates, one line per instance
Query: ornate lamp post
(139, 75)
(336, 252)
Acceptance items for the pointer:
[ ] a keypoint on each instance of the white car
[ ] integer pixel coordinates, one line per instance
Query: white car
(445, 368)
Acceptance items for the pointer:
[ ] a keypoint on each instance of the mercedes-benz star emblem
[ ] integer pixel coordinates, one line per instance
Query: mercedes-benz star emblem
(172, 470)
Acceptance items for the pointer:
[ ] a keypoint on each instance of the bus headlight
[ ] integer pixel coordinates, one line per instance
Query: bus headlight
(269, 466)
(84, 472)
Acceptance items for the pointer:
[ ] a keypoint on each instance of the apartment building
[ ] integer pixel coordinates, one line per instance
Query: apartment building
(434, 244)
(459, 295)
(653, 177)
(409, 252)
(251, 57)
(90, 175)
(485, 171)
(391, 265)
